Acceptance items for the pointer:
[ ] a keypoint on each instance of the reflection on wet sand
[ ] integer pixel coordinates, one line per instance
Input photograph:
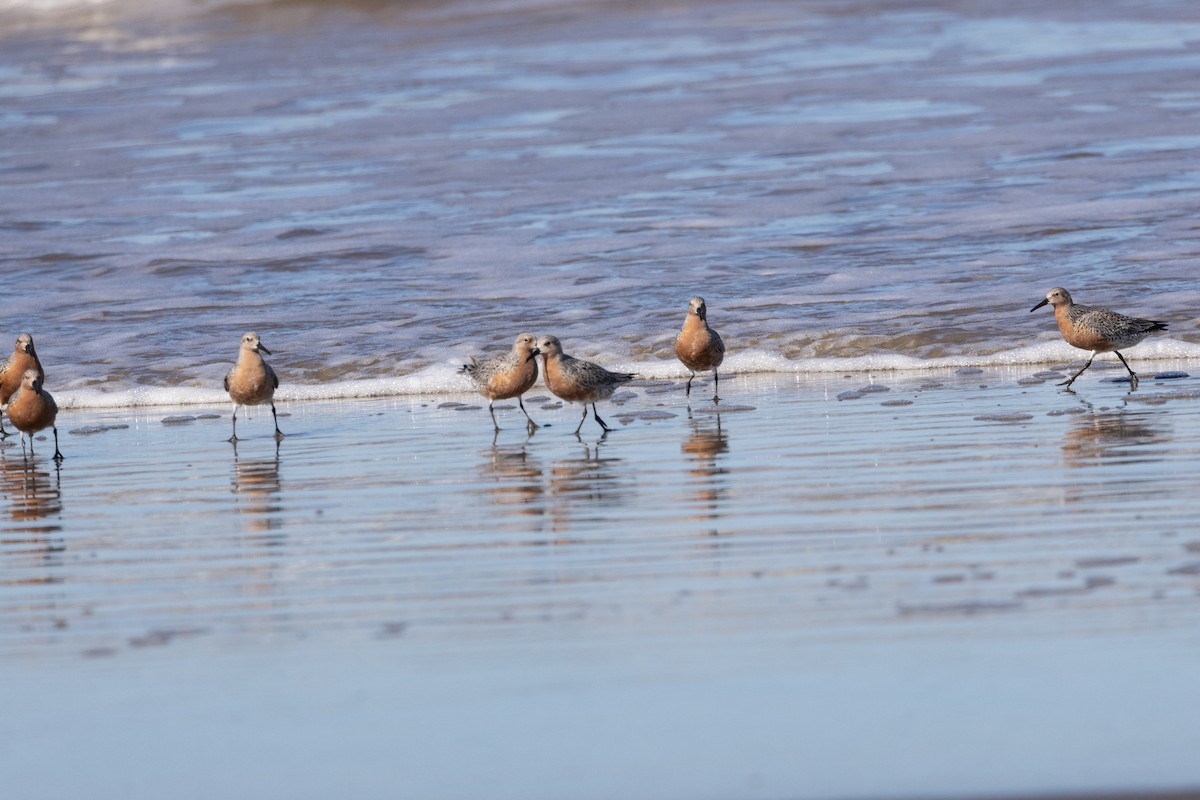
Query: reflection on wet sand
(1112, 435)
(513, 480)
(257, 487)
(587, 481)
(33, 495)
(706, 441)
(1112, 447)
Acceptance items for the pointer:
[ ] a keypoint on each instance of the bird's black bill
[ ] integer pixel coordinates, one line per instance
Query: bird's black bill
(1039, 305)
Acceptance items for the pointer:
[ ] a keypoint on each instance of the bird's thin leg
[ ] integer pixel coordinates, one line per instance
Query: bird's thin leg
(3, 432)
(492, 411)
(57, 455)
(1133, 378)
(688, 391)
(233, 438)
(716, 385)
(582, 420)
(597, 415)
(532, 424)
(23, 446)
(278, 433)
(1071, 380)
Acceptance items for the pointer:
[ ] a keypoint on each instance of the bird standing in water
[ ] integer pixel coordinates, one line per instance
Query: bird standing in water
(698, 346)
(507, 375)
(23, 357)
(32, 409)
(576, 380)
(1097, 329)
(252, 382)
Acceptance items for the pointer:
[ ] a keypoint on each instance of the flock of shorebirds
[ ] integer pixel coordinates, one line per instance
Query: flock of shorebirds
(252, 382)
(511, 374)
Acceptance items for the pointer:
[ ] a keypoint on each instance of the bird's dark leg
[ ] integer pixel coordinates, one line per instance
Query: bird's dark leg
(278, 433)
(688, 391)
(1071, 380)
(3, 432)
(1133, 378)
(233, 438)
(716, 385)
(57, 455)
(582, 420)
(492, 411)
(532, 424)
(597, 415)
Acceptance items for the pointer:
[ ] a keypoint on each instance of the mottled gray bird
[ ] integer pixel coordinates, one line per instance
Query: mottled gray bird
(576, 380)
(1097, 329)
(507, 375)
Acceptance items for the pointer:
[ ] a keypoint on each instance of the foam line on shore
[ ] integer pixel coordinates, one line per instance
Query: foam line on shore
(441, 379)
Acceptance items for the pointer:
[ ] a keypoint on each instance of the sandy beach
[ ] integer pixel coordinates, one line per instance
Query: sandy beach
(753, 602)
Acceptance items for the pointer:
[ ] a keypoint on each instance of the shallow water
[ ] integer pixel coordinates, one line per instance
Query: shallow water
(381, 190)
(971, 582)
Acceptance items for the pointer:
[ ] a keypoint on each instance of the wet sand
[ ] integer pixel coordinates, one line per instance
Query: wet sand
(951, 583)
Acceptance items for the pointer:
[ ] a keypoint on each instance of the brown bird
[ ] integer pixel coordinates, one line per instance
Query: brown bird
(23, 357)
(508, 375)
(576, 380)
(32, 409)
(252, 382)
(698, 346)
(1097, 329)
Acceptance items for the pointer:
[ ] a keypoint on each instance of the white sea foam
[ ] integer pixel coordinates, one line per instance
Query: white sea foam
(443, 378)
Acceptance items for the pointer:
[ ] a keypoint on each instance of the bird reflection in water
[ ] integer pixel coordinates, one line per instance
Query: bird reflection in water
(1114, 435)
(34, 498)
(706, 441)
(257, 487)
(586, 480)
(512, 480)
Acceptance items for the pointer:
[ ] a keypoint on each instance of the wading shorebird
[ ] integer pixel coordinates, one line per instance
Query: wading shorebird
(506, 376)
(252, 382)
(576, 380)
(698, 346)
(1097, 329)
(23, 357)
(32, 409)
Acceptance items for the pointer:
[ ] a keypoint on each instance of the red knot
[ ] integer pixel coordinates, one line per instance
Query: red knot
(252, 382)
(23, 357)
(32, 409)
(506, 376)
(1097, 329)
(698, 346)
(576, 380)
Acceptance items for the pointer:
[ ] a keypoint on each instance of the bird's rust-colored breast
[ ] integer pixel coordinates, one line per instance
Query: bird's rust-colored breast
(1079, 334)
(32, 411)
(251, 382)
(698, 347)
(513, 382)
(564, 385)
(10, 379)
